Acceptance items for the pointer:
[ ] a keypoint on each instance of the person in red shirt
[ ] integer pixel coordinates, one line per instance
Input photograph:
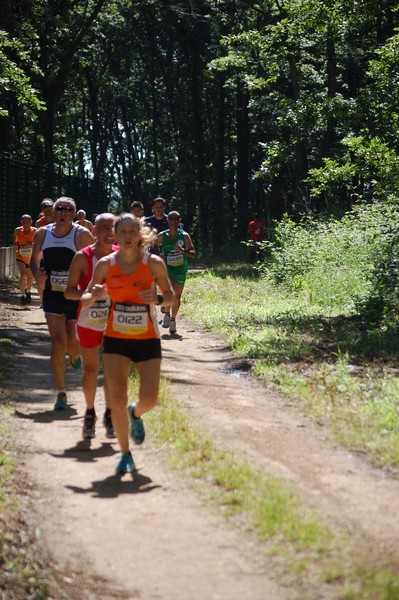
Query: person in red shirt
(256, 231)
(91, 321)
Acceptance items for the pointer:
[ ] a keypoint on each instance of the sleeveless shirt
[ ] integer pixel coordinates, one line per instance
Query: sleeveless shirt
(58, 253)
(129, 317)
(24, 241)
(95, 316)
(175, 260)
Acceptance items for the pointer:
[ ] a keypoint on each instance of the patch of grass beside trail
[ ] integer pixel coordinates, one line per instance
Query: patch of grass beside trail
(336, 369)
(305, 549)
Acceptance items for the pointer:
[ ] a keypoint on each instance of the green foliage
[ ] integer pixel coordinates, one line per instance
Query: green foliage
(308, 321)
(15, 82)
(273, 107)
(381, 301)
(328, 260)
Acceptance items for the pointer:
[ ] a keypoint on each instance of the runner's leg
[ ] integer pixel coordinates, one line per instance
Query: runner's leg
(58, 333)
(149, 372)
(116, 373)
(90, 357)
(73, 346)
(22, 276)
(29, 279)
(176, 304)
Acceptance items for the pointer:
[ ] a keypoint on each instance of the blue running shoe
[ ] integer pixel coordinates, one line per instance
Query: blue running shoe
(136, 426)
(61, 402)
(125, 464)
(75, 363)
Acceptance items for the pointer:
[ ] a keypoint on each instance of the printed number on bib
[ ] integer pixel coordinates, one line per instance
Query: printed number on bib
(25, 251)
(98, 314)
(130, 319)
(58, 280)
(174, 259)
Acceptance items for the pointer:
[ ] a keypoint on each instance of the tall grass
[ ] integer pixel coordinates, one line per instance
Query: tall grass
(296, 321)
(268, 506)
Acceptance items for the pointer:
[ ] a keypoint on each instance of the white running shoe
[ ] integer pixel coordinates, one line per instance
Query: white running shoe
(172, 326)
(166, 320)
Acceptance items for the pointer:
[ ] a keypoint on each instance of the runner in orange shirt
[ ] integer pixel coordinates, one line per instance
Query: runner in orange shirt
(23, 242)
(129, 277)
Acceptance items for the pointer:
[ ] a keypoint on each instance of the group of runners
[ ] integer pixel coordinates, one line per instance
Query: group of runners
(100, 288)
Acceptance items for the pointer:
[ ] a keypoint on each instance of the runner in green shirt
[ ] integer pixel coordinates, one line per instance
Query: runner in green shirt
(177, 247)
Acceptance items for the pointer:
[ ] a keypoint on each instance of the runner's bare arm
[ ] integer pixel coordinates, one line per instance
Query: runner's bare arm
(96, 288)
(78, 268)
(83, 238)
(189, 249)
(37, 250)
(158, 271)
(15, 239)
(158, 240)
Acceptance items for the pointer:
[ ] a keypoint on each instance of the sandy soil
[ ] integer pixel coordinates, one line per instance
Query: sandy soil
(150, 535)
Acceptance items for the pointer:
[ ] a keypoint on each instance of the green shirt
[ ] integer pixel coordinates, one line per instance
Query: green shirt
(174, 260)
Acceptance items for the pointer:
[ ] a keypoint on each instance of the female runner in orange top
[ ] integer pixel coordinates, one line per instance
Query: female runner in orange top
(130, 276)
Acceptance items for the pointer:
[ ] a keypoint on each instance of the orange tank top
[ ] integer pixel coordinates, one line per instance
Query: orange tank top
(24, 244)
(129, 317)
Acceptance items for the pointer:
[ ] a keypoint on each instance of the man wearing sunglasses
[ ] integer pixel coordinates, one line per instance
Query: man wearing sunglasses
(58, 243)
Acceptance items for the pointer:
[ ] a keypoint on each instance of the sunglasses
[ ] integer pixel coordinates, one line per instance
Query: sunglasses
(65, 209)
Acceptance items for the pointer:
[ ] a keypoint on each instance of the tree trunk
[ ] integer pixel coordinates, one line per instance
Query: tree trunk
(242, 188)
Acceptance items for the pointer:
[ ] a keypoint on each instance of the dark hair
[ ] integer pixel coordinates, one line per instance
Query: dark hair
(159, 199)
(137, 203)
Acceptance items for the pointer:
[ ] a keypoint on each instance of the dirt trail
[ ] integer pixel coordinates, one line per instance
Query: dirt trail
(151, 535)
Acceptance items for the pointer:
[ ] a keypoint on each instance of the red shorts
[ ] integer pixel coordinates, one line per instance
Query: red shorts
(89, 338)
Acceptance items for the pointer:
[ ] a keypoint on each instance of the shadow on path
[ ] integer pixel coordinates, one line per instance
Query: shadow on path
(115, 485)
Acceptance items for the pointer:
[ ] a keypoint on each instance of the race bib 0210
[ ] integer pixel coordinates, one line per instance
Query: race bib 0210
(98, 314)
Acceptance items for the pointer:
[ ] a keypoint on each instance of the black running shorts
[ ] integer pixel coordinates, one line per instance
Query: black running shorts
(136, 350)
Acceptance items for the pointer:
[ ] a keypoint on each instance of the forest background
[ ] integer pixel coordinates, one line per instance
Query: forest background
(224, 108)
(286, 108)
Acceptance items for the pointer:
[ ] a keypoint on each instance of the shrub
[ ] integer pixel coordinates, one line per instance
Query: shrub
(350, 263)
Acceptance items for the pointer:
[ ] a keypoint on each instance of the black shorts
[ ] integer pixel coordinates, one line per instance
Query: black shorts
(55, 303)
(27, 265)
(136, 350)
